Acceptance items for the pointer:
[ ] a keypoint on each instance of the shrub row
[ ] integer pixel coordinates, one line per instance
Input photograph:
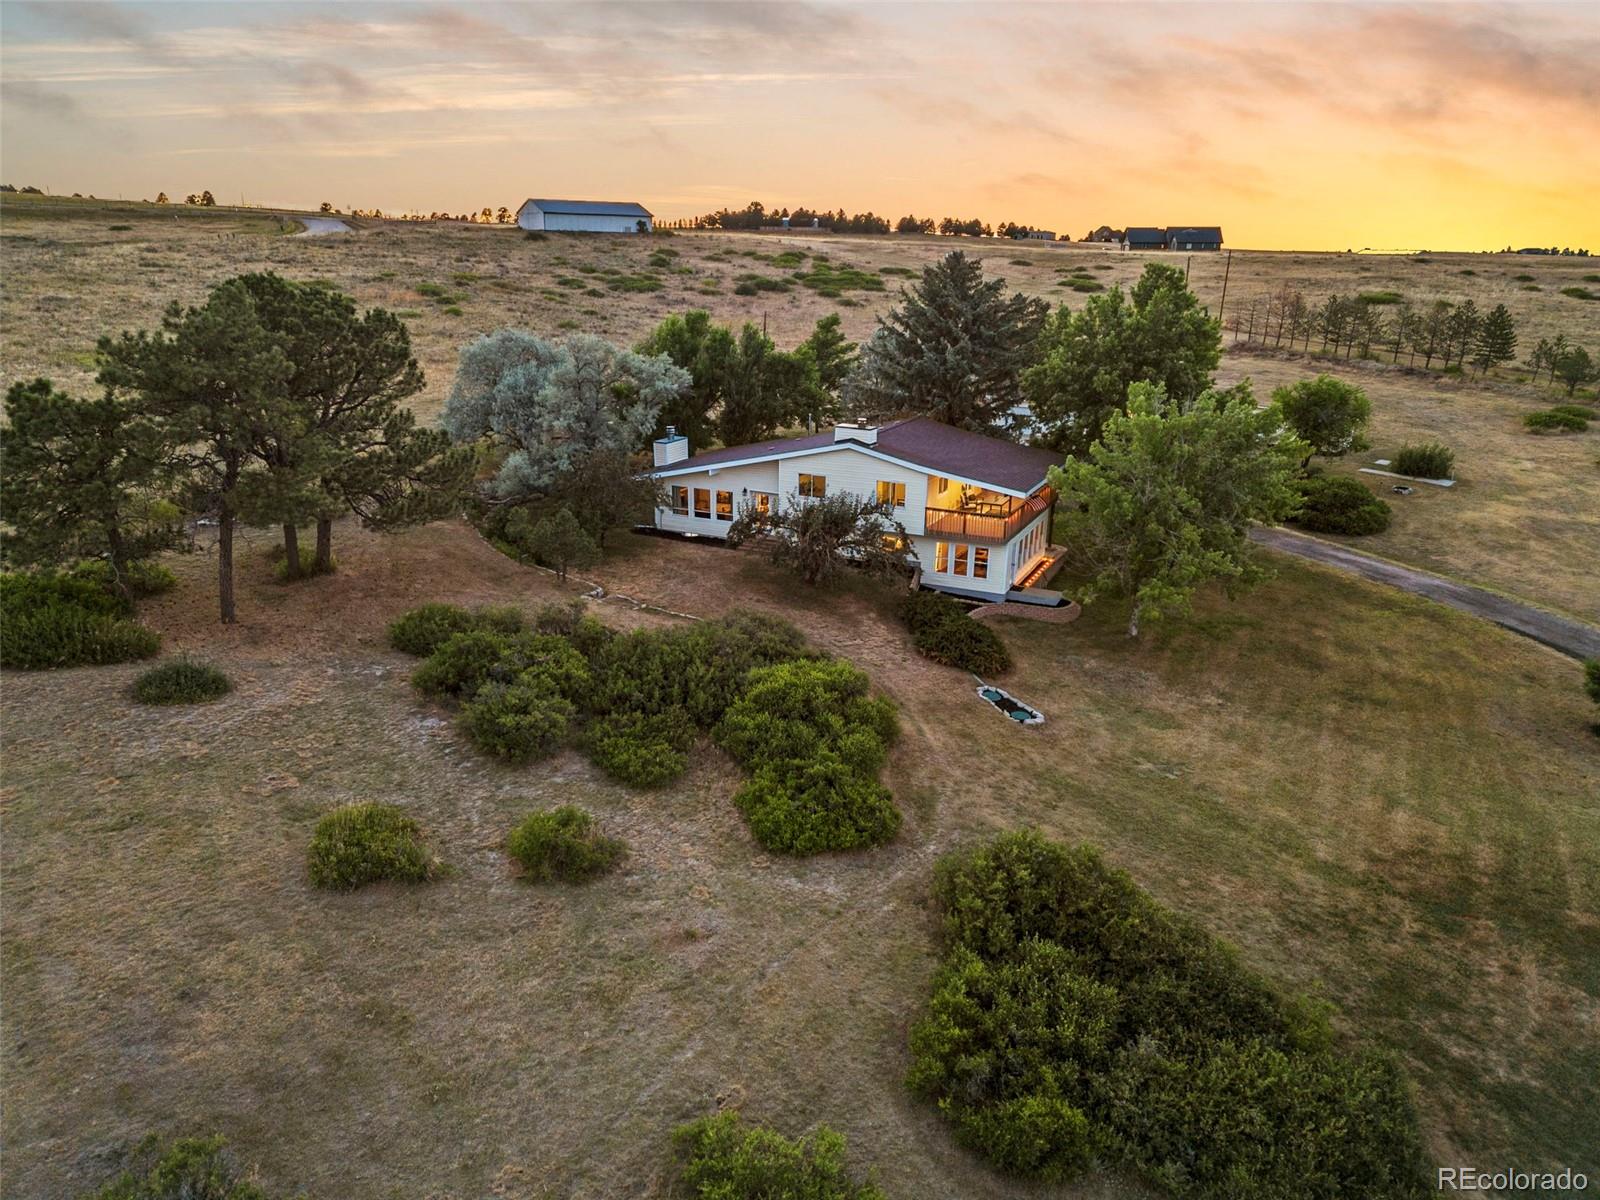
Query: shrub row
(371, 843)
(942, 630)
(1074, 1018)
(1339, 504)
(1563, 418)
(50, 619)
(802, 726)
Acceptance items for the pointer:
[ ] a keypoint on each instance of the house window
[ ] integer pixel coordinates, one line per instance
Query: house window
(813, 485)
(724, 506)
(941, 557)
(702, 503)
(762, 502)
(891, 493)
(980, 562)
(680, 500)
(961, 559)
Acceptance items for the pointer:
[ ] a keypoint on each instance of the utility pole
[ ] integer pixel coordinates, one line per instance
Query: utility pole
(1222, 307)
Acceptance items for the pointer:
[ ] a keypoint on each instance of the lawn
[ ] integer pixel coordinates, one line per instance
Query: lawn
(1376, 798)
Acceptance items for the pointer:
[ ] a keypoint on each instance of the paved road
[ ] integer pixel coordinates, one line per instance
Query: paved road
(321, 226)
(1562, 633)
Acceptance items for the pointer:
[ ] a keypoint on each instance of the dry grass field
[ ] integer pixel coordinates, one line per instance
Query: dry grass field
(1525, 519)
(1378, 799)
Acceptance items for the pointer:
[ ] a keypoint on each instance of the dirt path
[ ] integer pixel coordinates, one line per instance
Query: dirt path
(1561, 633)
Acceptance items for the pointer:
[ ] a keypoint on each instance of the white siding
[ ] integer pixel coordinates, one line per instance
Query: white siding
(531, 217)
(757, 477)
(1007, 560)
(849, 471)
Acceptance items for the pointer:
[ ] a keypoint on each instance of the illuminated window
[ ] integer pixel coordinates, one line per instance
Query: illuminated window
(941, 557)
(762, 501)
(702, 503)
(724, 506)
(961, 559)
(980, 562)
(891, 493)
(813, 485)
(680, 500)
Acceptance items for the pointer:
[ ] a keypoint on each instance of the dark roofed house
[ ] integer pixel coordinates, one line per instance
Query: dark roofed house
(1194, 237)
(976, 509)
(585, 216)
(1143, 237)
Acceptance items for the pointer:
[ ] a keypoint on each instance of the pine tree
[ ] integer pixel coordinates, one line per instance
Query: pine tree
(557, 541)
(954, 350)
(82, 479)
(1496, 339)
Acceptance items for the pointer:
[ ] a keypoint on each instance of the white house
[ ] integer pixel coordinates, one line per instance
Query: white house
(585, 216)
(977, 509)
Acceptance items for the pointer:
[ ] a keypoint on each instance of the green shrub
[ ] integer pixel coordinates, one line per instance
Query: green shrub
(814, 805)
(1075, 1016)
(187, 1169)
(461, 665)
(1591, 679)
(181, 682)
(49, 620)
(365, 843)
(563, 844)
(142, 578)
(720, 1158)
(1577, 410)
(423, 630)
(1430, 460)
(642, 749)
(794, 710)
(587, 635)
(1554, 421)
(308, 564)
(1580, 293)
(1339, 504)
(520, 721)
(942, 630)
(1383, 297)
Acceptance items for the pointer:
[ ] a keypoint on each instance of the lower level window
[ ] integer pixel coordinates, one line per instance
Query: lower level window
(680, 501)
(961, 560)
(980, 562)
(702, 503)
(724, 506)
(941, 557)
(762, 502)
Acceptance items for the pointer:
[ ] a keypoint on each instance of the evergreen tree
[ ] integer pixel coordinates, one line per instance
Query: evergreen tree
(212, 378)
(1574, 367)
(82, 479)
(557, 541)
(1164, 500)
(705, 351)
(1496, 339)
(954, 350)
(1158, 334)
(1461, 331)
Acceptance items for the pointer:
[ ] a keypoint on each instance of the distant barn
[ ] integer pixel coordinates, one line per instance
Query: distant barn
(1195, 237)
(1142, 237)
(585, 216)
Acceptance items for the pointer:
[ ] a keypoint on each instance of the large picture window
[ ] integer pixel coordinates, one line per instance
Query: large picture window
(702, 503)
(724, 506)
(813, 485)
(891, 493)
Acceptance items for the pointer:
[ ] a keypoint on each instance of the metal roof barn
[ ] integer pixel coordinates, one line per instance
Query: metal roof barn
(585, 216)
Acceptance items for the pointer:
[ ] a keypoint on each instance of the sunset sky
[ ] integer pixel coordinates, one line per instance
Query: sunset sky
(1310, 126)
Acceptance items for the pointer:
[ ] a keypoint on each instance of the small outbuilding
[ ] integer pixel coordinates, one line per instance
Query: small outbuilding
(585, 216)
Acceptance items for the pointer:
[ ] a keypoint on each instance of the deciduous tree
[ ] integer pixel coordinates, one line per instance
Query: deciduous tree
(1164, 500)
(1157, 334)
(816, 537)
(1327, 414)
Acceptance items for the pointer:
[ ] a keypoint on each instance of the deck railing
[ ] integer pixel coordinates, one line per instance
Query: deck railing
(999, 526)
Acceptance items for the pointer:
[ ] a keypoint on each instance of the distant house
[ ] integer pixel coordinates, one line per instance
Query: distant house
(1042, 235)
(1105, 234)
(1140, 237)
(976, 509)
(585, 216)
(1194, 237)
